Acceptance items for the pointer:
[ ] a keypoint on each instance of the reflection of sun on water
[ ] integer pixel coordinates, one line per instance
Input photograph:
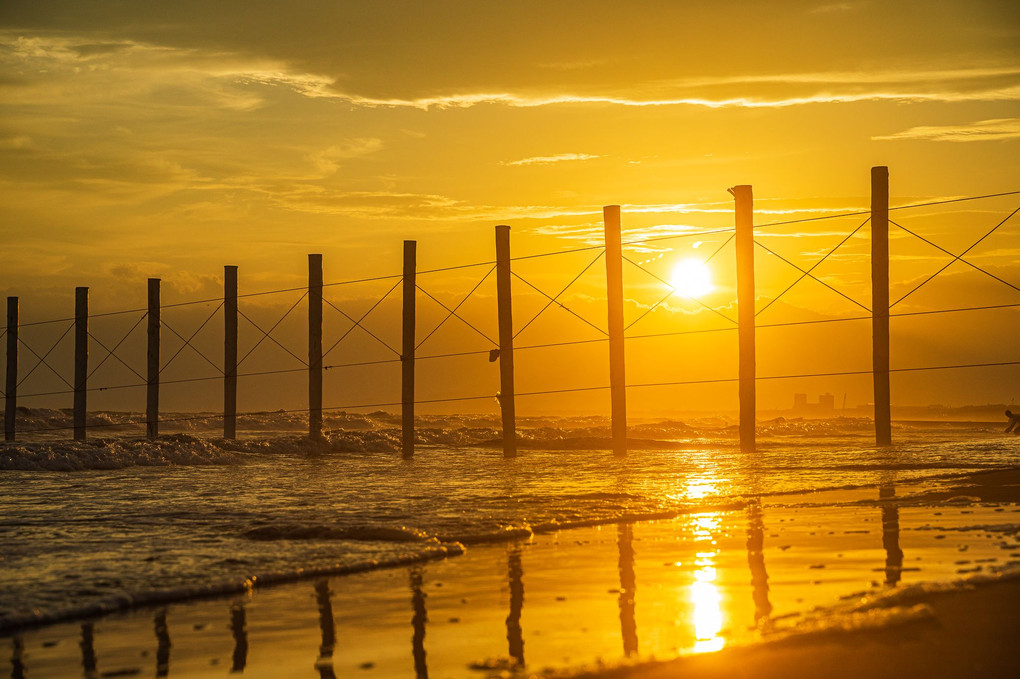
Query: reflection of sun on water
(703, 592)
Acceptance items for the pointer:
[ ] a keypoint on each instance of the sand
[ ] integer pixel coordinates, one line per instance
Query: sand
(970, 633)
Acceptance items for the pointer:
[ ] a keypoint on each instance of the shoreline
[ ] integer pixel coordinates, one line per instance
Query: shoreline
(984, 485)
(607, 596)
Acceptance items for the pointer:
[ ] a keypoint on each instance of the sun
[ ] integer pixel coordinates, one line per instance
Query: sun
(692, 278)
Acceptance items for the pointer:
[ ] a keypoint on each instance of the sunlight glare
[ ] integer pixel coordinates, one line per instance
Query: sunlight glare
(692, 278)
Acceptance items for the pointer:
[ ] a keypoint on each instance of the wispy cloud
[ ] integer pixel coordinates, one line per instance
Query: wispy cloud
(995, 129)
(57, 68)
(549, 160)
(1005, 93)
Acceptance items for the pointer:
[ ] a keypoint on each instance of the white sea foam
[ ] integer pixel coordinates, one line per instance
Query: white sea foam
(176, 449)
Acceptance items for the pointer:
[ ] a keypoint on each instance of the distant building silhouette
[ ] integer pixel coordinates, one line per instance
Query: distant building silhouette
(826, 404)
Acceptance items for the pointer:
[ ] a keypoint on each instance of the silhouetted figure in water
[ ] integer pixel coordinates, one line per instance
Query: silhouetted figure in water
(1014, 422)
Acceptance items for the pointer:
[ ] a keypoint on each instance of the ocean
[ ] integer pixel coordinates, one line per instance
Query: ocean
(118, 522)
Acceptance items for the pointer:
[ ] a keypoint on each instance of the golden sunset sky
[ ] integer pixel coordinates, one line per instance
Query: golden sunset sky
(169, 139)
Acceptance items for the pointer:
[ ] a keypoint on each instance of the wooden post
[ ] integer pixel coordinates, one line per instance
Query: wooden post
(407, 349)
(315, 346)
(880, 303)
(152, 363)
(230, 352)
(11, 390)
(81, 360)
(504, 307)
(614, 293)
(745, 311)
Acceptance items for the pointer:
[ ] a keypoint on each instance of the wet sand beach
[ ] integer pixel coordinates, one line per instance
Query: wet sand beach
(914, 579)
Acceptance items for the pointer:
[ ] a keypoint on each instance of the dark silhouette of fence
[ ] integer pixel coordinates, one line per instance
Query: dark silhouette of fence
(743, 235)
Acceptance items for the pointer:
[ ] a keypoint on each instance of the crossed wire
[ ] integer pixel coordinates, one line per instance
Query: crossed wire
(956, 258)
(187, 342)
(357, 323)
(555, 300)
(110, 352)
(804, 274)
(42, 359)
(266, 335)
(453, 312)
(672, 289)
(669, 285)
(808, 273)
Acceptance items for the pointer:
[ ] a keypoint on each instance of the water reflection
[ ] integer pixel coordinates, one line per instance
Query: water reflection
(628, 588)
(162, 644)
(703, 592)
(514, 632)
(891, 534)
(88, 650)
(239, 628)
(18, 658)
(324, 663)
(418, 620)
(756, 562)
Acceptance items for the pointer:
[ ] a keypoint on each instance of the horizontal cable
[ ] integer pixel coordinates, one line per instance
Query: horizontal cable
(541, 254)
(898, 207)
(197, 418)
(541, 346)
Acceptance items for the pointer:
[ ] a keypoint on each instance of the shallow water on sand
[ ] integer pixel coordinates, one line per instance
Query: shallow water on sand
(218, 514)
(696, 583)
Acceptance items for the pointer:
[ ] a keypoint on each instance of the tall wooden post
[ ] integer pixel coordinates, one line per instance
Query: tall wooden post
(152, 363)
(504, 307)
(614, 293)
(81, 360)
(407, 349)
(11, 390)
(230, 352)
(880, 303)
(315, 346)
(744, 208)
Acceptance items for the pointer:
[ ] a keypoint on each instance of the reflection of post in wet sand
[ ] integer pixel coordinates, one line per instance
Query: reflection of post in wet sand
(162, 645)
(324, 663)
(628, 588)
(418, 620)
(891, 534)
(239, 628)
(17, 658)
(514, 632)
(756, 562)
(88, 650)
